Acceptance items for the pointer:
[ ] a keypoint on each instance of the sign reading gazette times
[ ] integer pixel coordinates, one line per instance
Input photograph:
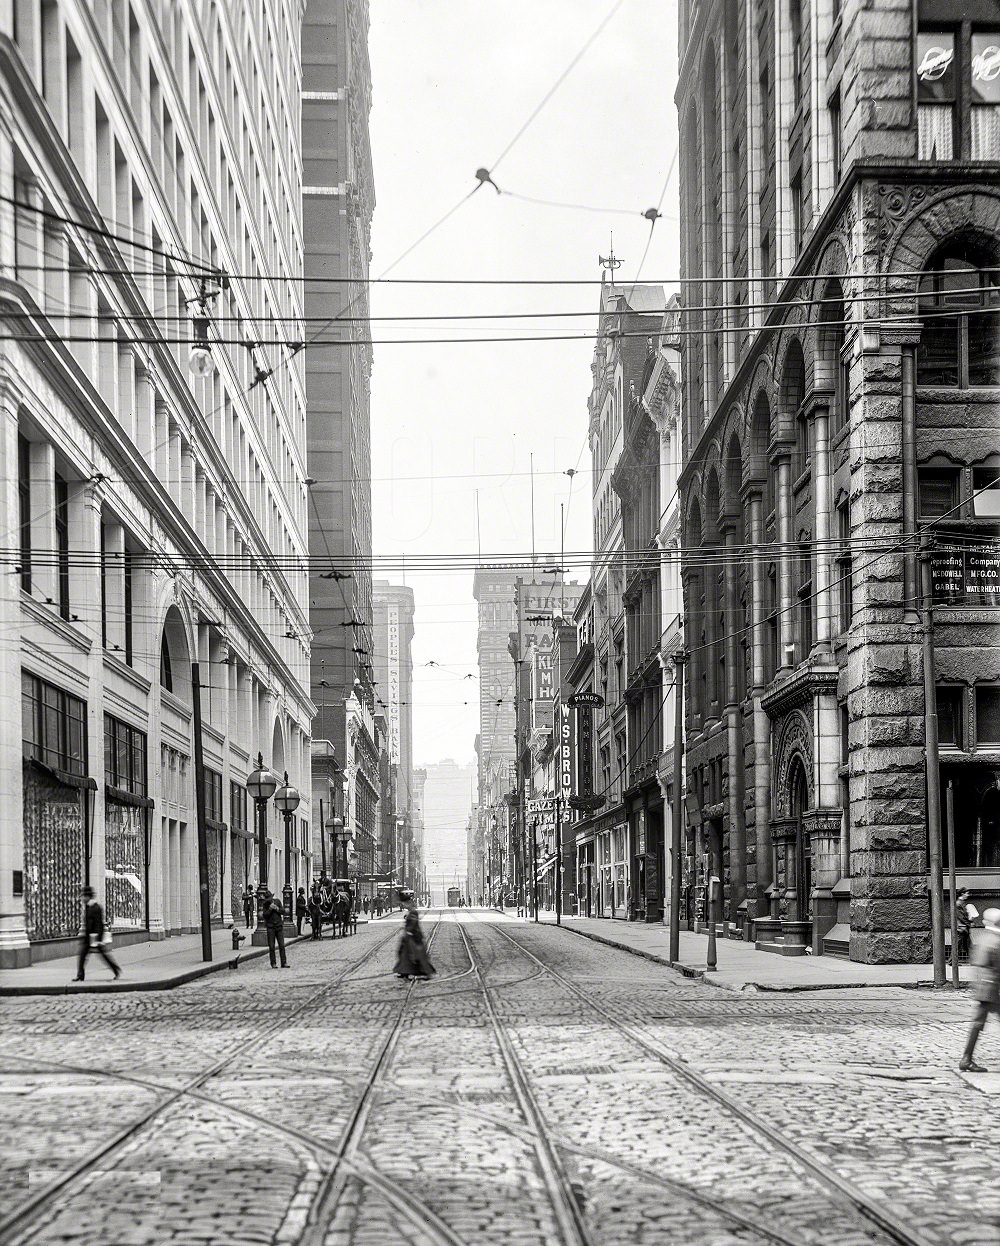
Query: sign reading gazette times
(967, 576)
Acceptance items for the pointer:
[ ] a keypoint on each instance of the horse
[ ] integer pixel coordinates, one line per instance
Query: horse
(342, 913)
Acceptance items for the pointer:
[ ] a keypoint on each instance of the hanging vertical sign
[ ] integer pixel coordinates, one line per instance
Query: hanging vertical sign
(565, 765)
(393, 656)
(585, 751)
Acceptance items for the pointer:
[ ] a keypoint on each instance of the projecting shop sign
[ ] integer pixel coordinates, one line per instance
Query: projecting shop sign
(393, 654)
(967, 576)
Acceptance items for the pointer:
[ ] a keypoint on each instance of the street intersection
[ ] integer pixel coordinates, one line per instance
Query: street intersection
(541, 1089)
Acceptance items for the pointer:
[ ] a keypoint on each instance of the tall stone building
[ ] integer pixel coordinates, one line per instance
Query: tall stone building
(841, 234)
(448, 797)
(495, 748)
(337, 206)
(611, 854)
(393, 676)
(153, 494)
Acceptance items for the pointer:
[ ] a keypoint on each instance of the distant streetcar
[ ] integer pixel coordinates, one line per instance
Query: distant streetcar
(454, 894)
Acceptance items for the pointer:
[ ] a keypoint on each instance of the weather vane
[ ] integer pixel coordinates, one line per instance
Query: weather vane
(610, 262)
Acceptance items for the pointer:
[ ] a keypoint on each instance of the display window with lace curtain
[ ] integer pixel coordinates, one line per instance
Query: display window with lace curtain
(957, 69)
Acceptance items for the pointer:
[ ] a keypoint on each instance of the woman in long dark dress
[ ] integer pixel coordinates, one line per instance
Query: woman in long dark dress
(412, 960)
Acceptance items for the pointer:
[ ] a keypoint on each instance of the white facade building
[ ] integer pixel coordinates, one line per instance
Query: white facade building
(150, 169)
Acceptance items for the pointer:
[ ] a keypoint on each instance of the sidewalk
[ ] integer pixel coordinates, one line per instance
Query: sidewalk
(740, 966)
(152, 966)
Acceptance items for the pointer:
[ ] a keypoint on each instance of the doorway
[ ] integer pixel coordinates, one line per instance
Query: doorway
(802, 865)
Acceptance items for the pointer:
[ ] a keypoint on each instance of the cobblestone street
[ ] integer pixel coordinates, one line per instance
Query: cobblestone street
(542, 1089)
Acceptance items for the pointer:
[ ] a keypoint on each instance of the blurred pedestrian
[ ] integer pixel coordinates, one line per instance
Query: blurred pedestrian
(364, 905)
(274, 921)
(412, 960)
(965, 914)
(301, 908)
(248, 906)
(985, 987)
(94, 936)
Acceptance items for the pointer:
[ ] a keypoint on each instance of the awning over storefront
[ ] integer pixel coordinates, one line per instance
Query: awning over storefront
(63, 776)
(121, 796)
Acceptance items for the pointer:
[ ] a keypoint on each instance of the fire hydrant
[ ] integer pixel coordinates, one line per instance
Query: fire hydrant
(237, 939)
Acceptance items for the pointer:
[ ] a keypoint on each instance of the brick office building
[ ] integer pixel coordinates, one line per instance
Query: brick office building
(841, 231)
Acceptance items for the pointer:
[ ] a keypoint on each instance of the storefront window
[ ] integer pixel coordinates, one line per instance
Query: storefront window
(53, 726)
(975, 792)
(988, 717)
(124, 824)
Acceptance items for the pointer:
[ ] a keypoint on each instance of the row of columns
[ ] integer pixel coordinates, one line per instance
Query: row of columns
(825, 727)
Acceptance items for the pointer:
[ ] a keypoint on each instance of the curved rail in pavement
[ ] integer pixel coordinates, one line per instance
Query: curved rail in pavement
(18, 1221)
(897, 1228)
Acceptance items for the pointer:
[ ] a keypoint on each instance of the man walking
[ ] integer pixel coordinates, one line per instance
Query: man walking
(274, 921)
(301, 908)
(985, 987)
(248, 905)
(93, 935)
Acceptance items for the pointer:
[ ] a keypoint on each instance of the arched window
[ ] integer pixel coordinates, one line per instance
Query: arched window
(960, 339)
(166, 670)
(793, 392)
(831, 350)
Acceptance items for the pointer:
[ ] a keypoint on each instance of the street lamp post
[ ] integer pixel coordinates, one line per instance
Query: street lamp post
(286, 800)
(261, 785)
(343, 835)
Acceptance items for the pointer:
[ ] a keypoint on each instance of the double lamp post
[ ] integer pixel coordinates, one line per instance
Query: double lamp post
(262, 784)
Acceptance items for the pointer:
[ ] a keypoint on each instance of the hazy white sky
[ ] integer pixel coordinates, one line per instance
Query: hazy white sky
(453, 80)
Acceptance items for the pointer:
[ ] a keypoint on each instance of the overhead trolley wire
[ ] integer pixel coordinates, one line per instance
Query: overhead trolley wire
(887, 321)
(678, 309)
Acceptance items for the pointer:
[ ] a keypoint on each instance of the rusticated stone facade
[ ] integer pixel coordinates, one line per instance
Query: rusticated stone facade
(841, 414)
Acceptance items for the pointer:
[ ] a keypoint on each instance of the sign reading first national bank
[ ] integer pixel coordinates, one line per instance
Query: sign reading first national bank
(967, 576)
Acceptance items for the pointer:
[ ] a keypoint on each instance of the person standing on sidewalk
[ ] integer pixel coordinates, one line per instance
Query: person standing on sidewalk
(249, 902)
(965, 914)
(93, 935)
(985, 986)
(301, 908)
(274, 921)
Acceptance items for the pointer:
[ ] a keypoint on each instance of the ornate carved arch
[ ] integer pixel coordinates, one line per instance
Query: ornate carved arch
(913, 223)
(793, 740)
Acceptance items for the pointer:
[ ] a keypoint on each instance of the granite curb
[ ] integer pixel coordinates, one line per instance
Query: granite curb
(129, 985)
(709, 979)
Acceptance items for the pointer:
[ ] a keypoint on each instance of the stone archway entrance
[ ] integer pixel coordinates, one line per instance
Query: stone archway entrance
(799, 887)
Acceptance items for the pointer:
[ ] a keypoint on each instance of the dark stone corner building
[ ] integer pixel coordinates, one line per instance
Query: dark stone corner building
(840, 216)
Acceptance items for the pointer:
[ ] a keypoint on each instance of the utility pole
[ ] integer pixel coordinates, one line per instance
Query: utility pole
(952, 882)
(534, 868)
(677, 809)
(558, 858)
(933, 764)
(199, 805)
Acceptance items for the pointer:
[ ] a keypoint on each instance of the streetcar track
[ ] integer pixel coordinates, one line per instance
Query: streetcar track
(562, 1196)
(18, 1221)
(677, 1188)
(329, 1193)
(331, 1179)
(873, 1210)
(419, 1215)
